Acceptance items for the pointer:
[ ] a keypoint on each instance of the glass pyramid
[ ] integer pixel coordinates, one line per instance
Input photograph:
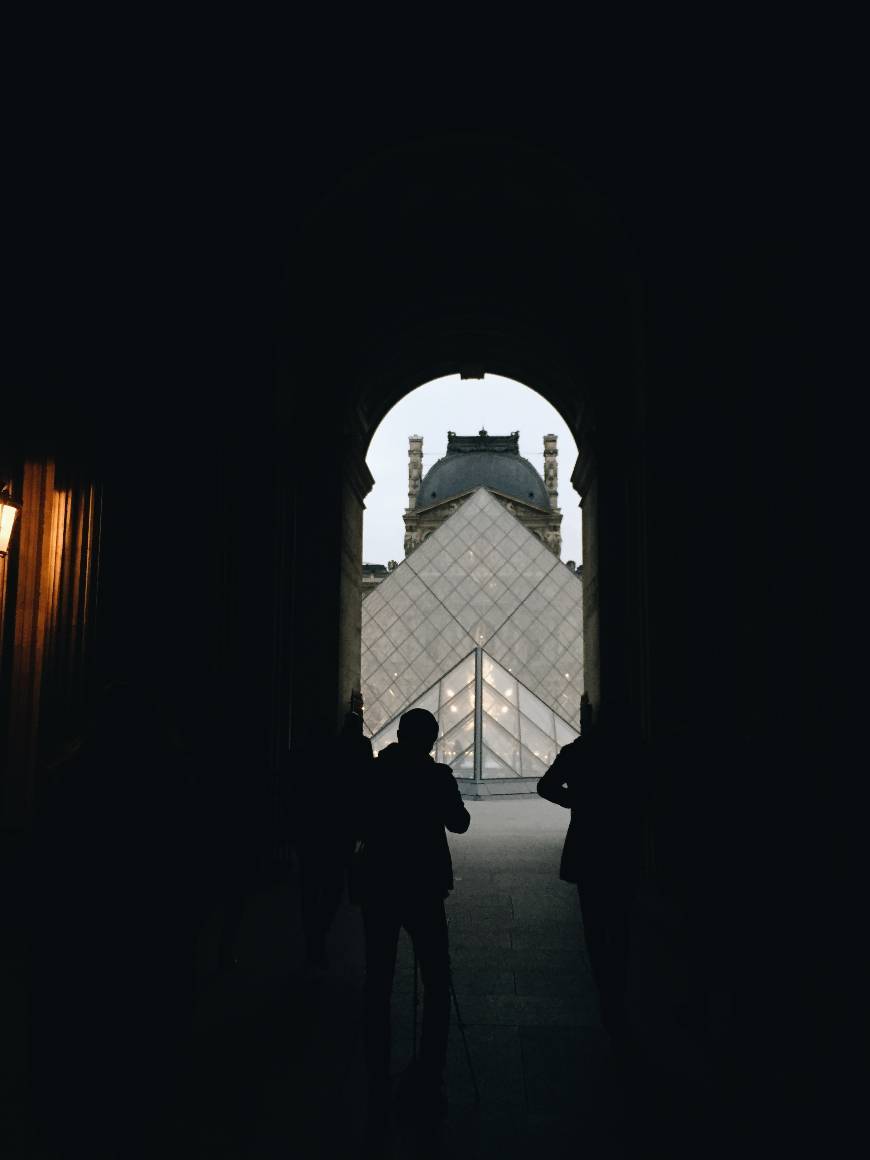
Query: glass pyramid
(481, 581)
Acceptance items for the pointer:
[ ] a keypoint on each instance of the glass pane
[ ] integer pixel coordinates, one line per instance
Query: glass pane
(494, 766)
(503, 712)
(429, 701)
(499, 678)
(537, 741)
(455, 710)
(456, 742)
(464, 766)
(388, 733)
(501, 743)
(564, 733)
(532, 765)
(531, 707)
(457, 679)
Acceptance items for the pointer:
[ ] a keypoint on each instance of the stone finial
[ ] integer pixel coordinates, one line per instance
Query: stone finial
(415, 467)
(551, 469)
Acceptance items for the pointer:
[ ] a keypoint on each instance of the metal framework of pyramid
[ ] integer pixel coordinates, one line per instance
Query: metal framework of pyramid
(482, 625)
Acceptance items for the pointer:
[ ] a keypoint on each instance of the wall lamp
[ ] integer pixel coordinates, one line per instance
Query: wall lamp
(9, 509)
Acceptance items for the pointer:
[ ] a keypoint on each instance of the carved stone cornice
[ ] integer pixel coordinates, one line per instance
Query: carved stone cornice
(356, 473)
(585, 469)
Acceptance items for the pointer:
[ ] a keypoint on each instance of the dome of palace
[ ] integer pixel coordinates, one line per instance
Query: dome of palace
(458, 473)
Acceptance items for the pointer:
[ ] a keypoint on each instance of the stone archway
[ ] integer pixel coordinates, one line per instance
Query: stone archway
(469, 255)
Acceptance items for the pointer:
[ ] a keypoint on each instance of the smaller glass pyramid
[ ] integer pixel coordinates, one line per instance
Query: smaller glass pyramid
(519, 735)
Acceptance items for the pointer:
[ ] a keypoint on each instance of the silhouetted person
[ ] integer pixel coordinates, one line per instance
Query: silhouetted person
(598, 777)
(327, 832)
(408, 874)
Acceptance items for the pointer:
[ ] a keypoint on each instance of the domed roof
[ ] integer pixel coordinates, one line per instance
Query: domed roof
(483, 460)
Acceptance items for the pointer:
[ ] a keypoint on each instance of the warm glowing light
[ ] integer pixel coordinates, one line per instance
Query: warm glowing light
(8, 512)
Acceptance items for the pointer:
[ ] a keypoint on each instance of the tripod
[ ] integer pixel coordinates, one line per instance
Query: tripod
(459, 1022)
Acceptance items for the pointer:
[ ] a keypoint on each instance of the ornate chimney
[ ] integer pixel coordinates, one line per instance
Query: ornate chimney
(551, 469)
(415, 467)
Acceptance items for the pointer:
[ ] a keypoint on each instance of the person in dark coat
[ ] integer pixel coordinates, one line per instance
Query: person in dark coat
(598, 778)
(408, 874)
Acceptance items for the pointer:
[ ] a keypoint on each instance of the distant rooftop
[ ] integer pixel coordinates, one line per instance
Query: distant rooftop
(483, 441)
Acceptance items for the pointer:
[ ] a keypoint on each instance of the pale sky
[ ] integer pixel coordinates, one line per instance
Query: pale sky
(464, 406)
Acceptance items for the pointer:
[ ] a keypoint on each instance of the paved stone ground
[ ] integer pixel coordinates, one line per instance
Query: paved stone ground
(525, 991)
(278, 1059)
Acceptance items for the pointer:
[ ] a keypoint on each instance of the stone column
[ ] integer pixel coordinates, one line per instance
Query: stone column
(553, 535)
(415, 467)
(551, 469)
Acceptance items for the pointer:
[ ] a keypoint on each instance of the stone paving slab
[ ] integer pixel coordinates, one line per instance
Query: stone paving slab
(487, 899)
(563, 1067)
(496, 1056)
(554, 938)
(532, 1010)
(566, 984)
(491, 982)
(530, 909)
(492, 936)
(470, 956)
(531, 884)
(477, 918)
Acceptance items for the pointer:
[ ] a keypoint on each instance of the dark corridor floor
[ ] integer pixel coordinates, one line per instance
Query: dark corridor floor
(279, 1059)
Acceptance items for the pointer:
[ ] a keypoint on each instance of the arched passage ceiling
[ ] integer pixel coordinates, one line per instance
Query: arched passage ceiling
(461, 252)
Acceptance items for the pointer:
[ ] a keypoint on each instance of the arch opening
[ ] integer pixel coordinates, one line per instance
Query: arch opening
(479, 579)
